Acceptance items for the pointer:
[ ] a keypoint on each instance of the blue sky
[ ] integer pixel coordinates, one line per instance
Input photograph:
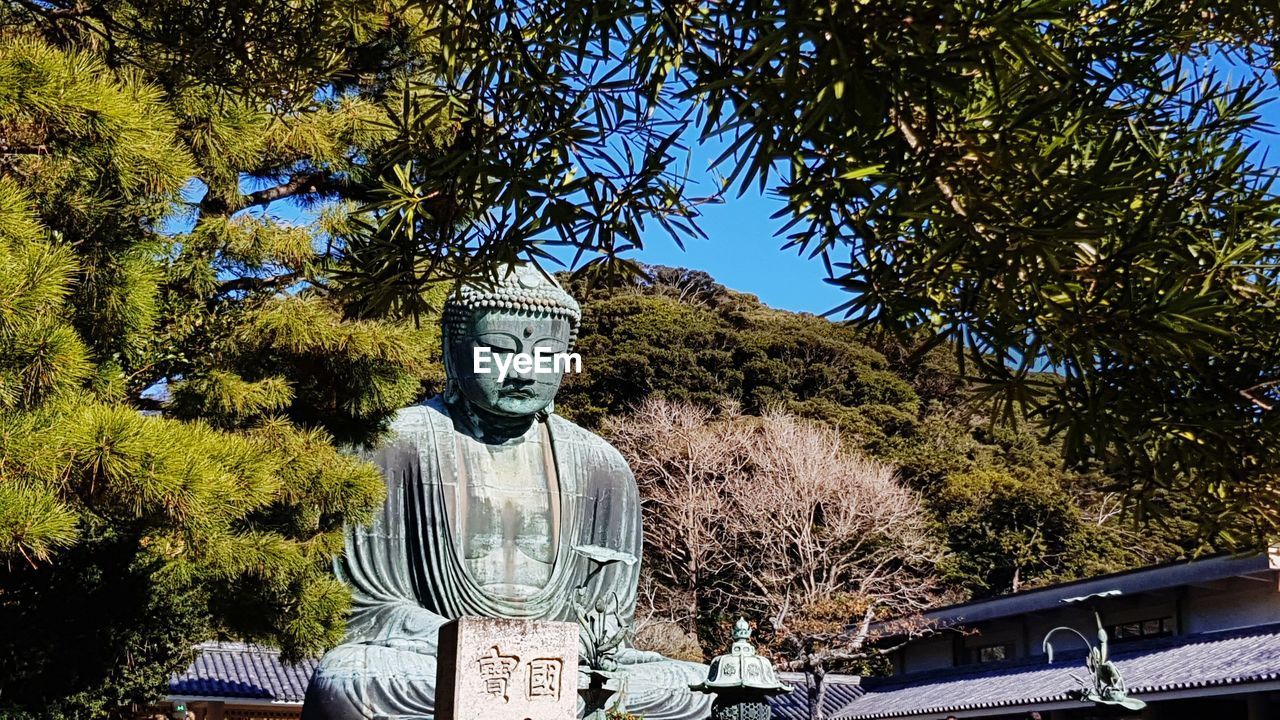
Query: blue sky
(741, 252)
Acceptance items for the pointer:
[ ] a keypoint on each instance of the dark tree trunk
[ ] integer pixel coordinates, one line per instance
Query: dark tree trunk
(816, 689)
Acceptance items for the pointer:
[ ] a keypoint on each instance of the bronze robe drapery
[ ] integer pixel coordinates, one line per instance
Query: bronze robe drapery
(408, 577)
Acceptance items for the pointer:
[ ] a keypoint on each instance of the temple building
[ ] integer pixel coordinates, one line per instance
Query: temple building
(236, 681)
(1193, 640)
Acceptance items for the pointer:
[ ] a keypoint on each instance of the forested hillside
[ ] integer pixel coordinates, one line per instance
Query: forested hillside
(1008, 512)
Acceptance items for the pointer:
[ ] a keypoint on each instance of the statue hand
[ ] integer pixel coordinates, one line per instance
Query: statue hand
(632, 656)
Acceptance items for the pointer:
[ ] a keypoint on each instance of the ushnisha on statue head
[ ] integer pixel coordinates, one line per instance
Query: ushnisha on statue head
(527, 312)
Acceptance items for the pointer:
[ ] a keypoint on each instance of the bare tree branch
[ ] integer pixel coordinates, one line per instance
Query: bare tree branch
(774, 517)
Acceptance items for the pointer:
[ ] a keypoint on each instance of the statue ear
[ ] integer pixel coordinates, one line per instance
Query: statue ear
(452, 393)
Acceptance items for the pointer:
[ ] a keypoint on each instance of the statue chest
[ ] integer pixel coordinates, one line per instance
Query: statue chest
(506, 513)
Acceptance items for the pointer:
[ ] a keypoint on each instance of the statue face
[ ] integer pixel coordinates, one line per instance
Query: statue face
(505, 334)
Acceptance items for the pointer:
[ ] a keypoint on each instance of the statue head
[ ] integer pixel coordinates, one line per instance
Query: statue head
(525, 312)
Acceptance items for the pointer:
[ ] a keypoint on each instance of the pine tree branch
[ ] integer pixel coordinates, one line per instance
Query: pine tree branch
(297, 184)
(254, 283)
(39, 149)
(312, 182)
(80, 15)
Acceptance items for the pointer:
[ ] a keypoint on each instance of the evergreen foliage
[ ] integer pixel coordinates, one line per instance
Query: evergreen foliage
(1045, 184)
(997, 495)
(713, 345)
(1005, 529)
(179, 366)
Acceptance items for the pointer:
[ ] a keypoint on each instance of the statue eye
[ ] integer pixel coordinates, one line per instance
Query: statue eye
(498, 342)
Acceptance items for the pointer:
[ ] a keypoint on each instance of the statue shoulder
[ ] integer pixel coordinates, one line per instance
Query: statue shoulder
(589, 443)
(422, 421)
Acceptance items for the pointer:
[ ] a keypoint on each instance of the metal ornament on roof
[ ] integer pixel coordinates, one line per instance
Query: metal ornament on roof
(1106, 687)
(741, 680)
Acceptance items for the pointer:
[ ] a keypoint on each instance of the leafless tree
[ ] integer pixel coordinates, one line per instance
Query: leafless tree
(773, 515)
(681, 457)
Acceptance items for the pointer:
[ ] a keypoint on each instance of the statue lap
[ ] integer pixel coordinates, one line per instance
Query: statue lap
(386, 668)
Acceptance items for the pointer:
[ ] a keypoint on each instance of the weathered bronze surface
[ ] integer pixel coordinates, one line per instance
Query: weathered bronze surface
(1105, 686)
(488, 492)
(741, 680)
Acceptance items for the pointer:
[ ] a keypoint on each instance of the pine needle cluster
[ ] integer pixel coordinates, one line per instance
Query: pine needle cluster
(181, 367)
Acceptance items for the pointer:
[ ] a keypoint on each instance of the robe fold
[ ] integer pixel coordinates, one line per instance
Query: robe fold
(408, 576)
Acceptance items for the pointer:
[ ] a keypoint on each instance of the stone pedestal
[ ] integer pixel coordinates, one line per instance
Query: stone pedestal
(498, 669)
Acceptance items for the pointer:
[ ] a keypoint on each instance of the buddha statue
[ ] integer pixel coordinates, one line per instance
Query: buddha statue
(488, 492)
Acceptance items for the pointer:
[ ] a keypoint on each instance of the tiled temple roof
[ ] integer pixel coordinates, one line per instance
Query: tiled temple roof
(841, 690)
(237, 670)
(1151, 666)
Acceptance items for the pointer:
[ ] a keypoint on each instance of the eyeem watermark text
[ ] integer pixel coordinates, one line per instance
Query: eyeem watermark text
(541, 361)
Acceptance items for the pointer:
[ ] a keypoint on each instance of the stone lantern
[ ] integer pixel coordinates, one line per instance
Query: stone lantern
(741, 680)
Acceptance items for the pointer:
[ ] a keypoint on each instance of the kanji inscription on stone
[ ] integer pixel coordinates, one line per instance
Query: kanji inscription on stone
(545, 678)
(495, 670)
(500, 669)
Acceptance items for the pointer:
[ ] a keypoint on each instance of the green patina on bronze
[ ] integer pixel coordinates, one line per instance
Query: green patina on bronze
(604, 630)
(1106, 686)
(741, 680)
(496, 507)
